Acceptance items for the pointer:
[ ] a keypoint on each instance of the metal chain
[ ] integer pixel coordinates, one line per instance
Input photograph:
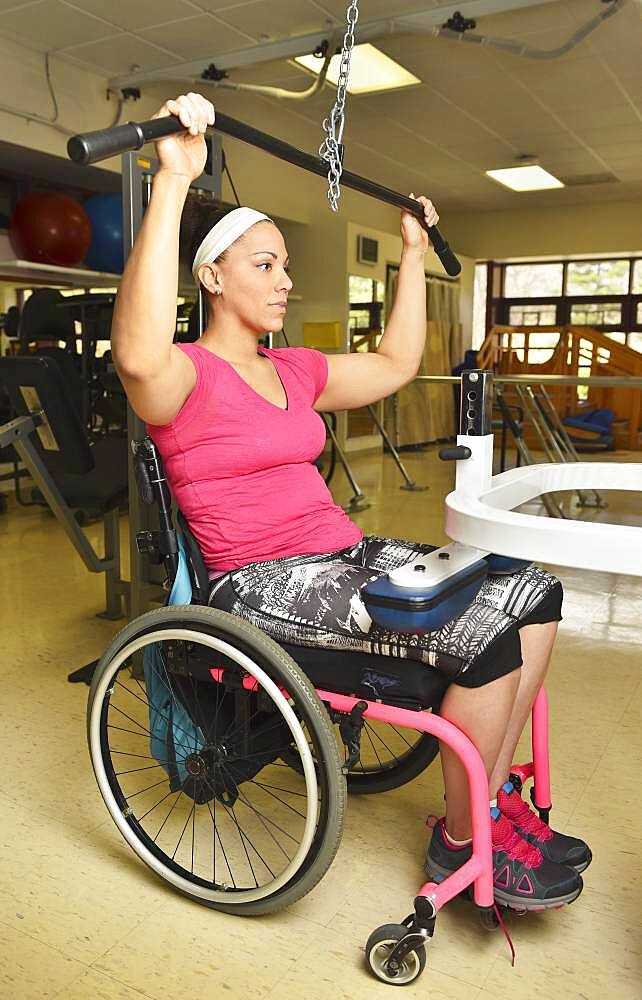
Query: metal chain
(331, 148)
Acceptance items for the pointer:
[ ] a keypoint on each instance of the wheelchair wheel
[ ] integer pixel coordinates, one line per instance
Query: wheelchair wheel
(193, 756)
(391, 756)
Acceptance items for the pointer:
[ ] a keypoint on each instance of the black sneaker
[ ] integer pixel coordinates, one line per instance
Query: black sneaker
(554, 846)
(522, 878)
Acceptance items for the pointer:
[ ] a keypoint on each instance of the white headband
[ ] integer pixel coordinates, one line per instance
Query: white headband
(223, 234)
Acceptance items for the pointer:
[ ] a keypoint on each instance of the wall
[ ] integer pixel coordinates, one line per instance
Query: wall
(390, 253)
(613, 227)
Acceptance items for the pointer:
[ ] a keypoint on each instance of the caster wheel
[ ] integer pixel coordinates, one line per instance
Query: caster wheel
(378, 948)
(489, 920)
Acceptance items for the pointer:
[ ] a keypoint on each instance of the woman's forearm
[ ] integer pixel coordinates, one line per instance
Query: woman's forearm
(145, 312)
(405, 332)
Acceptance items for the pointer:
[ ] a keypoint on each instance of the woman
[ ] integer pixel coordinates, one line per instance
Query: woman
(239, 428)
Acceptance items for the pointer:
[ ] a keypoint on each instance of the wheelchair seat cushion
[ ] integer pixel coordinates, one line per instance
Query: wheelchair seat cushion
(390, 679)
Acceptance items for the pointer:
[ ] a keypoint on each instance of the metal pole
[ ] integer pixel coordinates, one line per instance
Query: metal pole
(599, 500)
(137, 177)
(358, 500)
(552, 509)
(410, 483)
(599, 381)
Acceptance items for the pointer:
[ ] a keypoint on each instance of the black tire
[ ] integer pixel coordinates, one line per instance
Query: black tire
(250, 653)
(378, 947)
(382, 768)
(488, 919)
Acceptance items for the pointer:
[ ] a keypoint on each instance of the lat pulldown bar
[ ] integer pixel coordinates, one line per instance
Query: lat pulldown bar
(94, 146)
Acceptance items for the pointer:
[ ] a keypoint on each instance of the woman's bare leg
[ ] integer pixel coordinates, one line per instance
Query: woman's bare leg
(537, 645)
(493, 717)
(483, 714)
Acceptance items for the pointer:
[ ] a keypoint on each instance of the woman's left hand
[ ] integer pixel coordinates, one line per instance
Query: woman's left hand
(413, 234)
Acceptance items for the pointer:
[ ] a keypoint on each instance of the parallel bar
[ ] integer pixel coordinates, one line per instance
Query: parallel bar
(599, 381)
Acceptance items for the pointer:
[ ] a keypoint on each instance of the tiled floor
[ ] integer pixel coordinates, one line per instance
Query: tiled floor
(81, 917)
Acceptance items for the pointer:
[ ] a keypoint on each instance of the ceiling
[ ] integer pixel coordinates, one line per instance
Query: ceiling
(477, 107)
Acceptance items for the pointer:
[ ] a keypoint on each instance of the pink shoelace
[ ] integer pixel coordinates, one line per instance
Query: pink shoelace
(506, 838)
(515, 809)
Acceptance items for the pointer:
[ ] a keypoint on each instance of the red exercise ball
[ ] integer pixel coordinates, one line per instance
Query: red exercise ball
(50, 228)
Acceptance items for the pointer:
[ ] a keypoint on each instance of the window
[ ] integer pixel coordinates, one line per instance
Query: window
(605, 294)
(523, 281)
(540, 346)
(480, 292)
(635, 341)
(597, 277)
(366, 312)
(596, 313)
(534, 315)
(364, 289)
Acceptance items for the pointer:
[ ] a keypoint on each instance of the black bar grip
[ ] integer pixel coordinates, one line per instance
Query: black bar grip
(454, 454)
(442, 249)
(94, 146)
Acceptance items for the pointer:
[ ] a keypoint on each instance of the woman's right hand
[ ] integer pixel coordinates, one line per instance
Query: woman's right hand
(185, 153)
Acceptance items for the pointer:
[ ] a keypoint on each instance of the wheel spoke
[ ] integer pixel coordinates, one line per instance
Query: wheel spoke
(237, 823)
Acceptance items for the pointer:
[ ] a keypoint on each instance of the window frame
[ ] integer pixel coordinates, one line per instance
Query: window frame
(499, 305)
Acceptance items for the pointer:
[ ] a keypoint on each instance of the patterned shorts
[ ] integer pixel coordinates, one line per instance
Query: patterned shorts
(315, 600)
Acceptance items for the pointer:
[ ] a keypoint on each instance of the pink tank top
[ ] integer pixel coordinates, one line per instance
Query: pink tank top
(241, 468)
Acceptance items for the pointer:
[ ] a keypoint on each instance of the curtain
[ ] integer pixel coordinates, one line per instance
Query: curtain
(421, 412)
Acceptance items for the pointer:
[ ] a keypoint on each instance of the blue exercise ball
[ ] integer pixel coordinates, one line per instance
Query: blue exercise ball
(105, 213)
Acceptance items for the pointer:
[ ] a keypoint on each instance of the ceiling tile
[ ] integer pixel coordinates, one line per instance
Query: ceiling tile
(571, 165)
(520, 23)
(618, 30)
(276, 19)
(274, 70)
(483, 155)
(199, 37)
(117, 55)
(16, 4)
(50, 25)
(427, 113)
(436, 59)
(589, 117)
(620, 150)
(610, 135)
(632, 172)
(139, 14)
(372, 10)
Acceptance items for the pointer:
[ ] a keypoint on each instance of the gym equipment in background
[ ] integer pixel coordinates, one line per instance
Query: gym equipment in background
(71, 471)
(50, 228)
(105, 213)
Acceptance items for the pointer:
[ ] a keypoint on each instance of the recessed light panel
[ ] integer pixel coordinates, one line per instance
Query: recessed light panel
(531, 178)
(370, 70)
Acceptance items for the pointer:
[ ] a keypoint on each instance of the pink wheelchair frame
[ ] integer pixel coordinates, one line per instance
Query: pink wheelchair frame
(478, 870)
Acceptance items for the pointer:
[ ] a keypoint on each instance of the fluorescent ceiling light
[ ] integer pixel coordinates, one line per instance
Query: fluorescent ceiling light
(370, 70)
(530, 178)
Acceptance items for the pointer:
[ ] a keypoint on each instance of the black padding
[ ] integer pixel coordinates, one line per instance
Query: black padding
(72, 454)
(67, 364)
(11, 321)
(367, 675)
(105, 486)
(195, 563)
(46, 316)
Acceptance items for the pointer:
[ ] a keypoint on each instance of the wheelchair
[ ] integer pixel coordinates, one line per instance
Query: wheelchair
(225, 759)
